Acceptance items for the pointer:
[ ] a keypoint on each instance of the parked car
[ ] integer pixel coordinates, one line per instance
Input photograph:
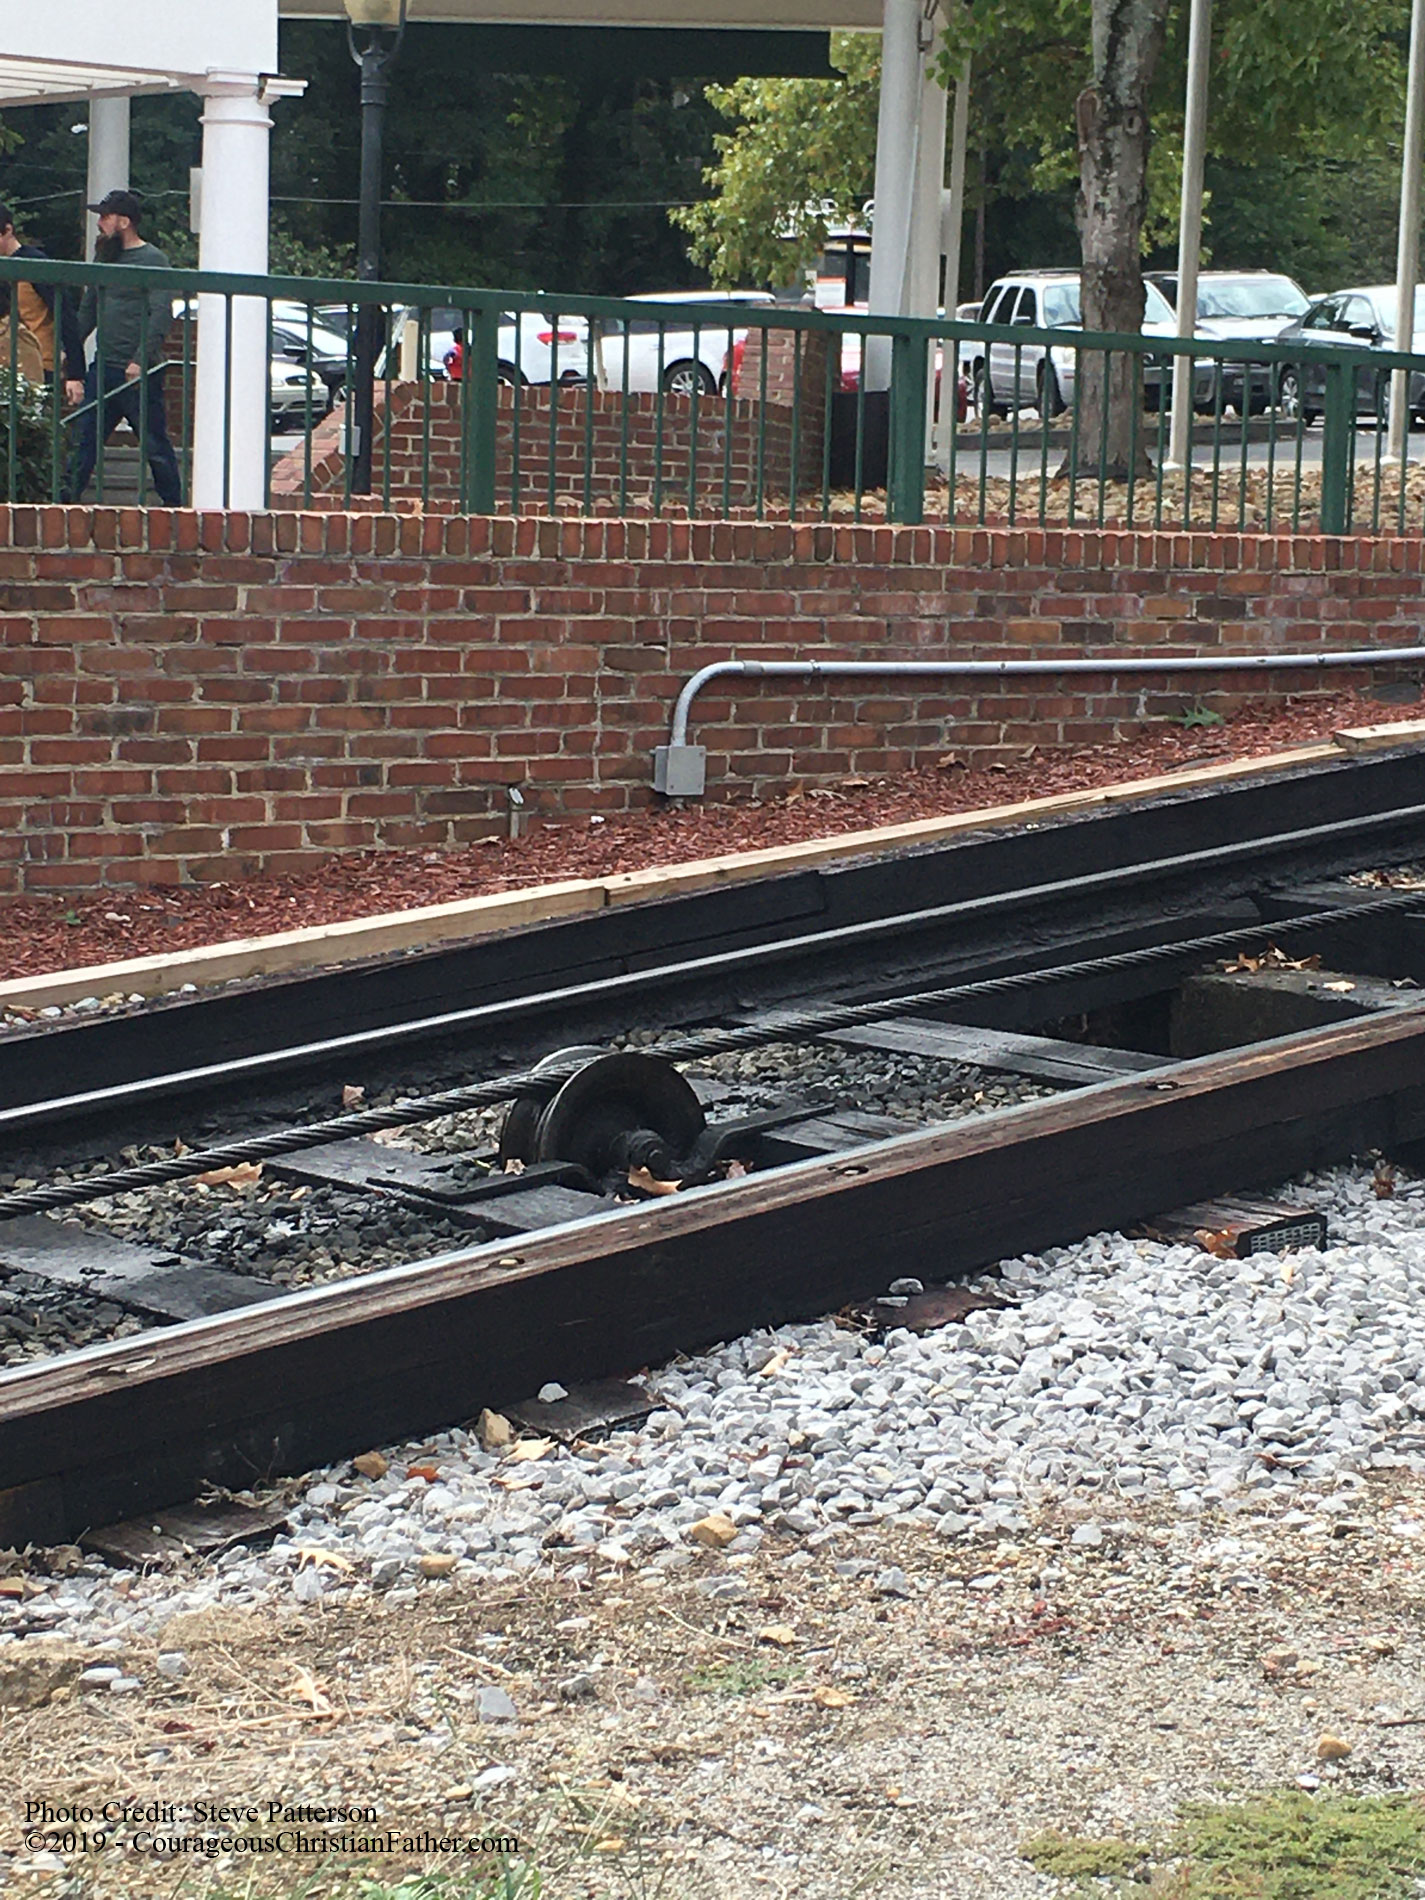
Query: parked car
(654, 352)
(319, 349)
(534, 347)
(1015, 376)
(1241, 306)
(297, 392)
(1358, 319)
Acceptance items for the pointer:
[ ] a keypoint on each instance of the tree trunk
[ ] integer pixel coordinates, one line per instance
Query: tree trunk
(1113, 131)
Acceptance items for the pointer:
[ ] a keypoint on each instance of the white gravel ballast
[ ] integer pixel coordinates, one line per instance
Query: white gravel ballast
(1126, 1370)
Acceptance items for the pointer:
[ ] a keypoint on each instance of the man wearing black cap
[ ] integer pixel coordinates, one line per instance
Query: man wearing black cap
(129, 360)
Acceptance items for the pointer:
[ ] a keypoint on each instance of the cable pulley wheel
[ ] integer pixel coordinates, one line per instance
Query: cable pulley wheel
(619, 1112)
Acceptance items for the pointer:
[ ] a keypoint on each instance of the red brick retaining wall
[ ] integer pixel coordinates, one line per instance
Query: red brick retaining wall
(606, 452)
(186, 696)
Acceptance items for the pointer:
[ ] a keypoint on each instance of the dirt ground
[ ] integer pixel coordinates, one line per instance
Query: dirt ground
(72, 931)
(885, 1715)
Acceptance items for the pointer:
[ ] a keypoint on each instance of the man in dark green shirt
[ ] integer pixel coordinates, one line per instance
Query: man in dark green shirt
(130, 327)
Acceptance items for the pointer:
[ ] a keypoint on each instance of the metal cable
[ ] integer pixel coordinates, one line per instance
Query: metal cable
(791, 1026)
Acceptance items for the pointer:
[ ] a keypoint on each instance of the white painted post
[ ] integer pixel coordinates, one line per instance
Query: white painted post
(923, 299)
(109, 121)
(897, 145)
(1407, 265)
(946, 415)
(231, 417)
(1190, 228)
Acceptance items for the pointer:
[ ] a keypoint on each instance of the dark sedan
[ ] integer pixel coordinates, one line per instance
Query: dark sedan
(1362, 319)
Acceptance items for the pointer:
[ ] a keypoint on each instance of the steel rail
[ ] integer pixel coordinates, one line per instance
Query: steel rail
(126, 1427)
(784, 1026)
(634, 985)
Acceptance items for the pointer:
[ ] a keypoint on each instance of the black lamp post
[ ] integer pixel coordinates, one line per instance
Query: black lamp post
(383, 26)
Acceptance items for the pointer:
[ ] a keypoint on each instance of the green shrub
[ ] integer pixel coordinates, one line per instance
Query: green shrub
(26, 448)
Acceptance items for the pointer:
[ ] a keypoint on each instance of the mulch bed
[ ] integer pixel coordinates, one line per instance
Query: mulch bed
(41, 934)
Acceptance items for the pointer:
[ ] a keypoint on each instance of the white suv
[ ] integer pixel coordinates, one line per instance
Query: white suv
(1016, 376)
(688, 359)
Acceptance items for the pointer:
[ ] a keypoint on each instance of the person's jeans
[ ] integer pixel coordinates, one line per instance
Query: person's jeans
(124, 402)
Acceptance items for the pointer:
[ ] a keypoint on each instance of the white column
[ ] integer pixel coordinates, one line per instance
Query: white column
(897, 146)
(231, 417)
(1407, 265)
(1190, 229)
(108, 156)
(952, 217)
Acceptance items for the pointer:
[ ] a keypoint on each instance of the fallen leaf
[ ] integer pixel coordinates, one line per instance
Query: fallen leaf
(244, 1174)
(528, 1449)
(1221, 1245)
(306, 1688)
(610, 1844)
(352, 1095)
(428, 1472)
(1332, 1748)
(1383, 1182)
(780, 1634)
(12, 1586)
(776, 1362)
(371, 1465)
(650, 1184)
(518, 1481)
(825, 1698)
(320, 1558)
(1342, 988)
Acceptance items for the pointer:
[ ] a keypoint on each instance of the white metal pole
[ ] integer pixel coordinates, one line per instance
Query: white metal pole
(1407, 256)
(945, 412)
(952, 217)
(897, 145)
(1190, 226)
(109, 121)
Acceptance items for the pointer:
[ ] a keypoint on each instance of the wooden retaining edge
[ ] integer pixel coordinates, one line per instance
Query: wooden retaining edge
(324, 945)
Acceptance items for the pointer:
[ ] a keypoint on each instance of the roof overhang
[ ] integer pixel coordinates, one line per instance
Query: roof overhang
(163, 46)
(39, 82)
(806, 15)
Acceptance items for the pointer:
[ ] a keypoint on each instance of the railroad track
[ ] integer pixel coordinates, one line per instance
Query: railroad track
(1067, 958)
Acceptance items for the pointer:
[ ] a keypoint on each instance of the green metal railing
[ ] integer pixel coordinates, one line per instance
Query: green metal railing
(524, 403)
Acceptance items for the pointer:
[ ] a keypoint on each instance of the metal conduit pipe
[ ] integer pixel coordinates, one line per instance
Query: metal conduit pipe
(680, 769)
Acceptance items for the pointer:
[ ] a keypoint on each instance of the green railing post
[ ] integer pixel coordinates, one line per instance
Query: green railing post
(482, 392)
(1337, 432)
(905, 477)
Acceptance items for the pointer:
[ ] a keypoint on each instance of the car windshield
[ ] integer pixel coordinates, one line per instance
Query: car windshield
(1063, 309)
(1250, 297)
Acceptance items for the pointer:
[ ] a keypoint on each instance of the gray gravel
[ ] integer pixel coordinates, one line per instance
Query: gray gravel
(1127, 1372)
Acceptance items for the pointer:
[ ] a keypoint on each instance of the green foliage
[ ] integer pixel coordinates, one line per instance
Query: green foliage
(1198, 715)
(26, 421)
(742, 1675)
(1306, 103)
(1068, 1857)
(1280, 1846)
(801, 155)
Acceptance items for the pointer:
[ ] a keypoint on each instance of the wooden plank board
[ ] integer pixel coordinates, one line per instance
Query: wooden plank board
(326, 945)
(113, 1430)
(1355, 739)
(1003, 1051)
(141, 1279)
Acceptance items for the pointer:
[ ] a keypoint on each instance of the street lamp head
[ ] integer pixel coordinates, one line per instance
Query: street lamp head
(390, 13)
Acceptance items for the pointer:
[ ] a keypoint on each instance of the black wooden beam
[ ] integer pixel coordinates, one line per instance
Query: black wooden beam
(115, 1430)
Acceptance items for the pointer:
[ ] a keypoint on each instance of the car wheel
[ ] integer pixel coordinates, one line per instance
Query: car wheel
(1051, 403)
(280, 419)
(982, 394)
(1290, 400)
(681, 379)
(512, 378)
